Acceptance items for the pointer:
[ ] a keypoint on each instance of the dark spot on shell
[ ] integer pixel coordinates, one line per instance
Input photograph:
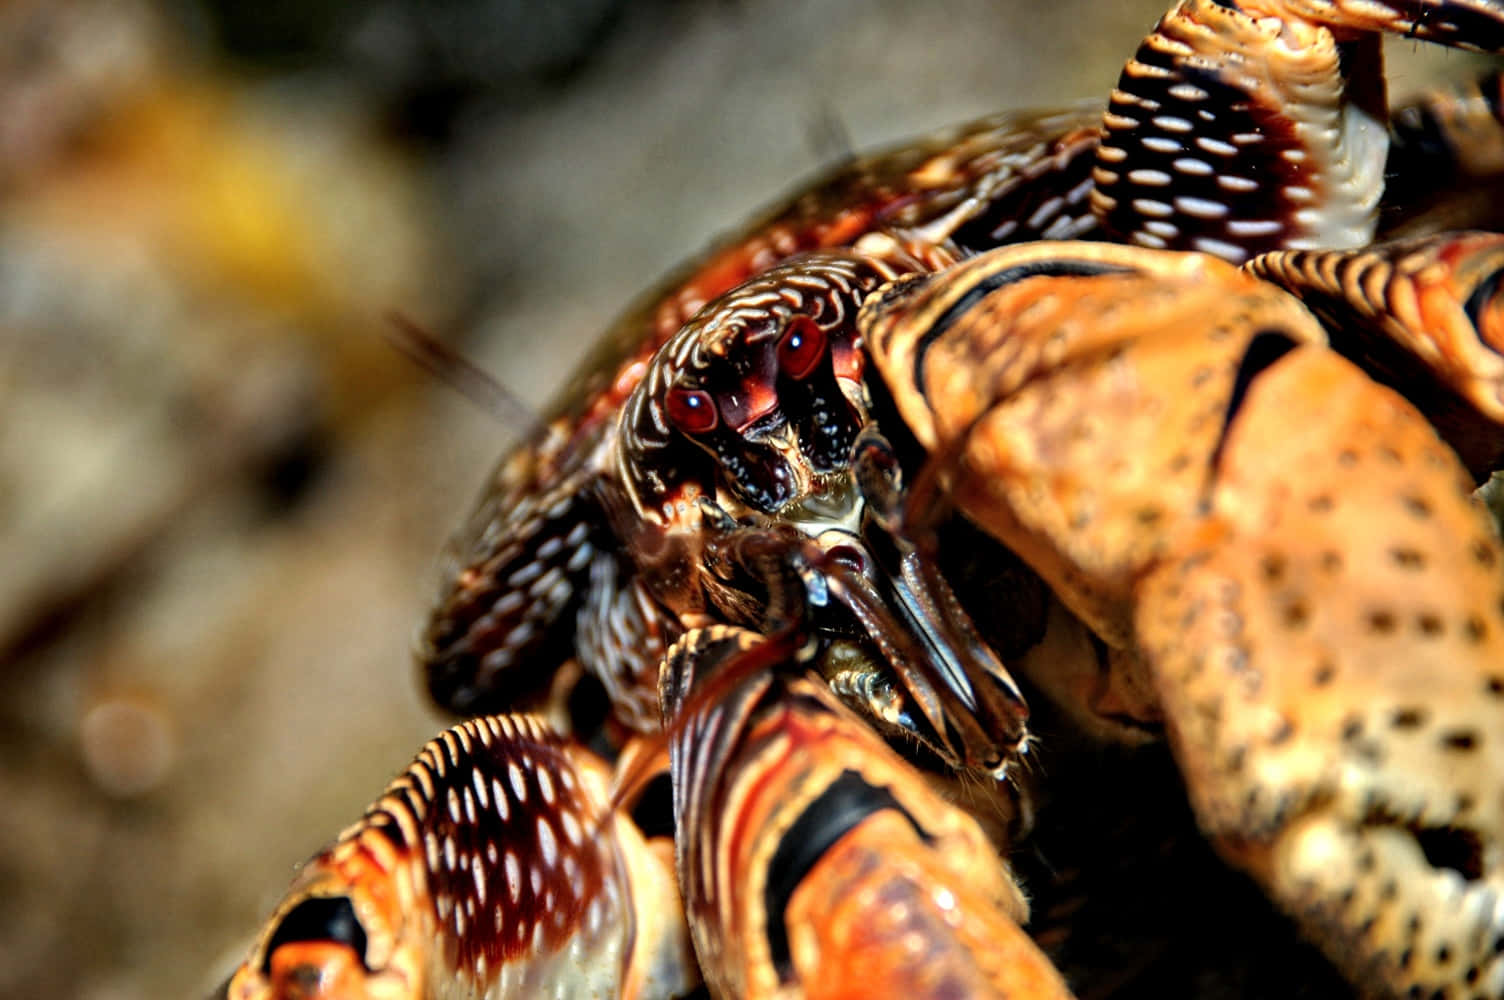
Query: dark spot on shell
(1236, 758)
(1347, 457)
(1389, 454)
(1408, 718)
(1325, 672)
(1453, 848)
(1465, 803)
(1473, 629)
(1366, 861)
(1428, 624)
(1381, 621)
(1483, 553)
(1150, 515)
(1418, 506)
(1406, 957)
(1352, 728)
(1408, 558)
(1331, 560)
(1273, 567)
(1282, 733)
(1443, 955)
(1296, 614)
(1460, 740)
(1321, 503)
(1495, 686)
(1389, 891)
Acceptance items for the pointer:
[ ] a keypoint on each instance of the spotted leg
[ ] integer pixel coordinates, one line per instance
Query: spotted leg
(1244, 126)
(488, 869)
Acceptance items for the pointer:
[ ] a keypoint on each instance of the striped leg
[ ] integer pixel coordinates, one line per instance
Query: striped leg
(1245, 126)
(818, 864)
(1424, 317)
(487, 869)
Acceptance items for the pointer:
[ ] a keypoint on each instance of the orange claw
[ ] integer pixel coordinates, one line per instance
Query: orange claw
(1287, 548)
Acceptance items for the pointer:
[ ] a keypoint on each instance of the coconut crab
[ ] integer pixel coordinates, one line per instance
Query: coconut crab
(720, 533)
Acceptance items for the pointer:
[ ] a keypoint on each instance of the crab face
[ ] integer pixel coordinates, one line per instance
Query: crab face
(757, 490)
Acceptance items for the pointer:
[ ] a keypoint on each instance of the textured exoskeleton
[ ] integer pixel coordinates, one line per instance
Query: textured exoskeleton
(1287, 549)
(491, 867)
(1246, 540)
(822, 865)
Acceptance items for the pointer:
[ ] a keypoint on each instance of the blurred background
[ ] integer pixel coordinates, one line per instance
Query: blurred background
(222, 492)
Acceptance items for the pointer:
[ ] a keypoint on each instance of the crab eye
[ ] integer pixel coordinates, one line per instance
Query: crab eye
(801, 347)
(691, 410)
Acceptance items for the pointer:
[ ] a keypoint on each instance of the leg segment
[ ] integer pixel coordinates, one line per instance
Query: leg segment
(1423, 316)
(489, 868)
(818, 864)
(1257, 125)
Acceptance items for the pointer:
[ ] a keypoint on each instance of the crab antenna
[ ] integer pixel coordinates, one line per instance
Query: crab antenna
(433, 355)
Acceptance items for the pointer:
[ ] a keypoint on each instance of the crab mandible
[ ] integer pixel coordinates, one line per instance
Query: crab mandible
(1286, 93)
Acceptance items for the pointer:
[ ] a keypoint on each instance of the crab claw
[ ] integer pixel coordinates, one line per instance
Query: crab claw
(1291, 548)
(1334, 668)
(1424, 316)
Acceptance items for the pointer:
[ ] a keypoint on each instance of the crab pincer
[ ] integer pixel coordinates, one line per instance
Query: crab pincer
(1288, 549)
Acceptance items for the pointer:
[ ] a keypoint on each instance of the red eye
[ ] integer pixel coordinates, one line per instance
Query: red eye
(691, 410)
(801, 347)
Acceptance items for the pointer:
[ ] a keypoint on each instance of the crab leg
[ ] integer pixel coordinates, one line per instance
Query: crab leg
(489, 868)
(1289, 549)
(1256, 125)
(815, 862)
(1422, 316)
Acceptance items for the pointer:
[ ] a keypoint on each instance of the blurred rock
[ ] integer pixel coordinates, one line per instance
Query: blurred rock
(127, 746)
